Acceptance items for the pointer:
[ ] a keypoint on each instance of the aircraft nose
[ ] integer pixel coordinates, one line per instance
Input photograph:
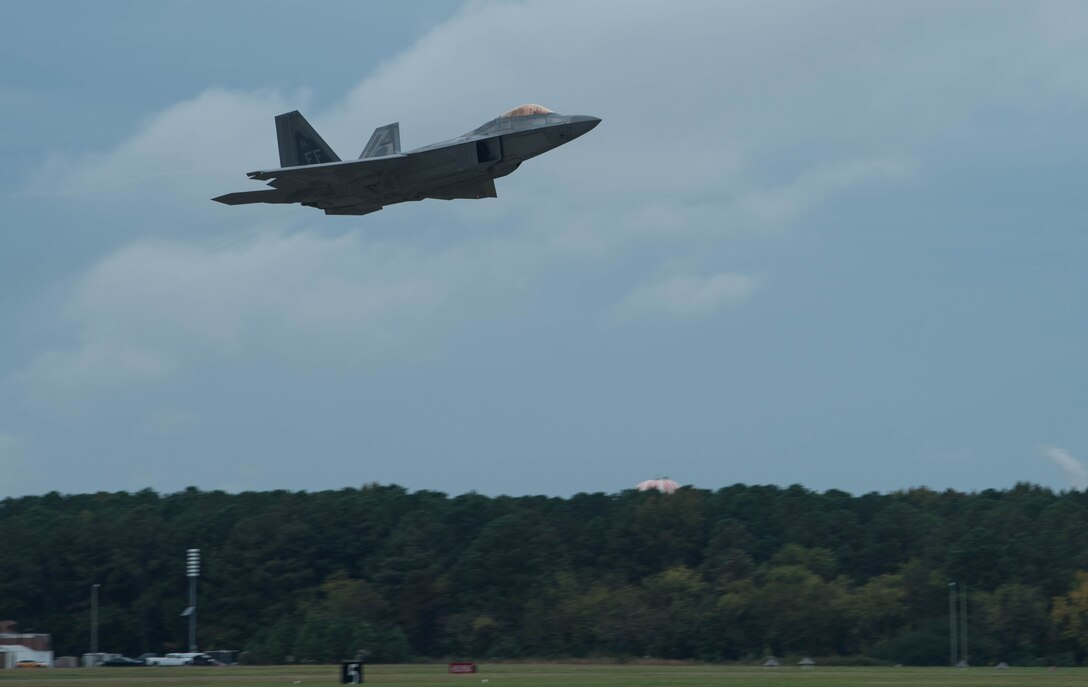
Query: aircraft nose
(583, 123)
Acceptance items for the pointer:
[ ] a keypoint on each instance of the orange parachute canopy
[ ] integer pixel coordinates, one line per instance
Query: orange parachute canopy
(662, 484)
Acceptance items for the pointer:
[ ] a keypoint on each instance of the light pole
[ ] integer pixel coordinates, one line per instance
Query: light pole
(94, 624)
(963, 622)
(952, 624)
(192, 571)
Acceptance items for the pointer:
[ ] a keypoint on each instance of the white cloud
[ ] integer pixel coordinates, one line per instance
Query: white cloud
(689, 296)
(97, 359)
(696, 104)
(720, 120)
(777, 206)
(153, 307)
(181, 156)
(1074, 470)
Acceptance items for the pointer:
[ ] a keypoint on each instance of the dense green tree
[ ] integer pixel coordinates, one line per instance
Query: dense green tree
(725, 575)
(1014, 620)
(1070, 613)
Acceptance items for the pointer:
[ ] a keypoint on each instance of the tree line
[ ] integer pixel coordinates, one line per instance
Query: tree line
(733, 574)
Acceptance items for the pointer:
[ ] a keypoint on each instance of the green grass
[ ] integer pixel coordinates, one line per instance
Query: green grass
(552, 675)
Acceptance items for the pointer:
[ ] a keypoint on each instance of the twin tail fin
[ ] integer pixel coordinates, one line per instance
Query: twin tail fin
(299, 143)
(384, 141)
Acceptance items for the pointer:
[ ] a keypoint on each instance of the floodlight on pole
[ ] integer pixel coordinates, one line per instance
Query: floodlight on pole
(192, 571)
(953, 628)
(963, 625)
(94, 624)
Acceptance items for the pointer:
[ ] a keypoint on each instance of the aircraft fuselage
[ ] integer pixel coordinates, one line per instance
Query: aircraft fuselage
(462, 167)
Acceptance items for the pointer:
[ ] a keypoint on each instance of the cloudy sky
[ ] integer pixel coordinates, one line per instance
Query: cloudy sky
(841, 244)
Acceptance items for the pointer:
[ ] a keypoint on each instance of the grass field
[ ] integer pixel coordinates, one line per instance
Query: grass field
(551, 675)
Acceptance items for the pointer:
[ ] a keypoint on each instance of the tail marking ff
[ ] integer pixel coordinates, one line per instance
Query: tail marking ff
(299, 143)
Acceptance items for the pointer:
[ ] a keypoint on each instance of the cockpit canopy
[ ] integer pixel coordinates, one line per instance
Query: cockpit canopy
(527, 109)
(521, 118)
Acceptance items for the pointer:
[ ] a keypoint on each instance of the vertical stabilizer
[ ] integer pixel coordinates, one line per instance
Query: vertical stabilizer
(299, 143)
(384, 141)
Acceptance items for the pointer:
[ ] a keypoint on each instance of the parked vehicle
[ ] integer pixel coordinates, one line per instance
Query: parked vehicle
(167, 660)
(122, 662)
(28, 663)
(181, 659)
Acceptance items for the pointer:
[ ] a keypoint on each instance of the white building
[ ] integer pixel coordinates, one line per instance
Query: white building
(11, 654)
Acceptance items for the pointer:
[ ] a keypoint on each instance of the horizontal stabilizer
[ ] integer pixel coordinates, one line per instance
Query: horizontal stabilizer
(299, 143)
(245, 197)
(384, 141)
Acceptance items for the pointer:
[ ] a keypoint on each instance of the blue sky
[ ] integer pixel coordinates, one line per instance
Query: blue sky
(838, 244)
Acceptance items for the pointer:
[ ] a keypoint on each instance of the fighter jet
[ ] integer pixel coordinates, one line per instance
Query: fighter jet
(310, 173)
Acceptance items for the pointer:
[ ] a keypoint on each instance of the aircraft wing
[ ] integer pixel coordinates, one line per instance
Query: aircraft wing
(331, 173)
(245, 197)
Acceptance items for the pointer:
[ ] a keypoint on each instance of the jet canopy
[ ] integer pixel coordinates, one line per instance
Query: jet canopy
(527, 109)
(511, 120)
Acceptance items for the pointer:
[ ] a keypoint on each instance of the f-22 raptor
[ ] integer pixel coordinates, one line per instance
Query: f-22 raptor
(310, 172)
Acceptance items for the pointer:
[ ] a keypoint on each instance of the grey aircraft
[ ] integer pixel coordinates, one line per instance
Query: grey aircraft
(463, 167)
